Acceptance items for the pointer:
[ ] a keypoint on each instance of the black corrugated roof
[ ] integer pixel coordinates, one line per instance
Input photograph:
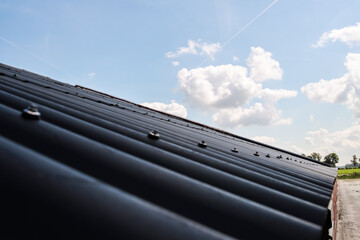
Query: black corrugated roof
(92, 166)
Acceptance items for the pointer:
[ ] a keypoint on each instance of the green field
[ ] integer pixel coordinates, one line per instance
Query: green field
(349, 173)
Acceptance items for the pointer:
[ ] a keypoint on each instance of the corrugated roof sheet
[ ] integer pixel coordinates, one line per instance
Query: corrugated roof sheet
(97, 166)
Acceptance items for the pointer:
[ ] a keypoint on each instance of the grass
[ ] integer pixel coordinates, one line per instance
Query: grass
(349, 173)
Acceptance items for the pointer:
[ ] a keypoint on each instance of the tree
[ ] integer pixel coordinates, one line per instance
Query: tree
(354, 160)
(331, 159)
(316, 156)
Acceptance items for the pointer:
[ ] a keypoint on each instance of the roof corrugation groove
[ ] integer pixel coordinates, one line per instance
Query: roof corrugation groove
(89, 167)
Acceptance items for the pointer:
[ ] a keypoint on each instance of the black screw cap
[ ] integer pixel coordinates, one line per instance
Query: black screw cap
(154, 135)
(234, 150)
(202, 144)
(31, 112)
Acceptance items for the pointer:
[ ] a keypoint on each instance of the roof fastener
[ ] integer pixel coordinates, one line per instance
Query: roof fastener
(31, 112)
(15, 75)
(256, 154)
(287, 158)
(202, 144)
(234, 150)
(154, 135)
(267, 155)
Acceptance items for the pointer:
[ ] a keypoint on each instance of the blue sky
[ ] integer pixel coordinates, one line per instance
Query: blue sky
(253, 68)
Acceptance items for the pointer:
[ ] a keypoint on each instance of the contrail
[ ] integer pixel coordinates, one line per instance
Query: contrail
(244, 27)
(30, 53)
(249, 23)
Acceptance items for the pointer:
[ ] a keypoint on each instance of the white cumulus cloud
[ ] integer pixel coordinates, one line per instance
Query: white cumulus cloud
(264, 139)
(228, 89)
(344, 142)
(345, 90)
(208, 49)
(190, 49)
(218, 86)
(274, 95)
(198, 47)
(173, 108)
(262, 66)
(349, 35)
(297, 149)
(318, 134)
(258, 114)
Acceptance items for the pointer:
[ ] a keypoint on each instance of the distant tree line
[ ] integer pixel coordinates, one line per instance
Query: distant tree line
(354, 163)
(332, 159)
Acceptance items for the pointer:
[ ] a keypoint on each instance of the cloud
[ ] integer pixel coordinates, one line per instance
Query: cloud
(198, 47)
(297, 149)
(228, 89)
(235, 59)
(262, 66)
(264, 139)
(345, 90)
(311, 118)
(349, 35)
(218, 86)
(344, 142)
(176, 63)
(274, 95)
(190, 49)
(172, 108)
(91, 75)
(208, 49)
(322, 133)
(258, 114)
